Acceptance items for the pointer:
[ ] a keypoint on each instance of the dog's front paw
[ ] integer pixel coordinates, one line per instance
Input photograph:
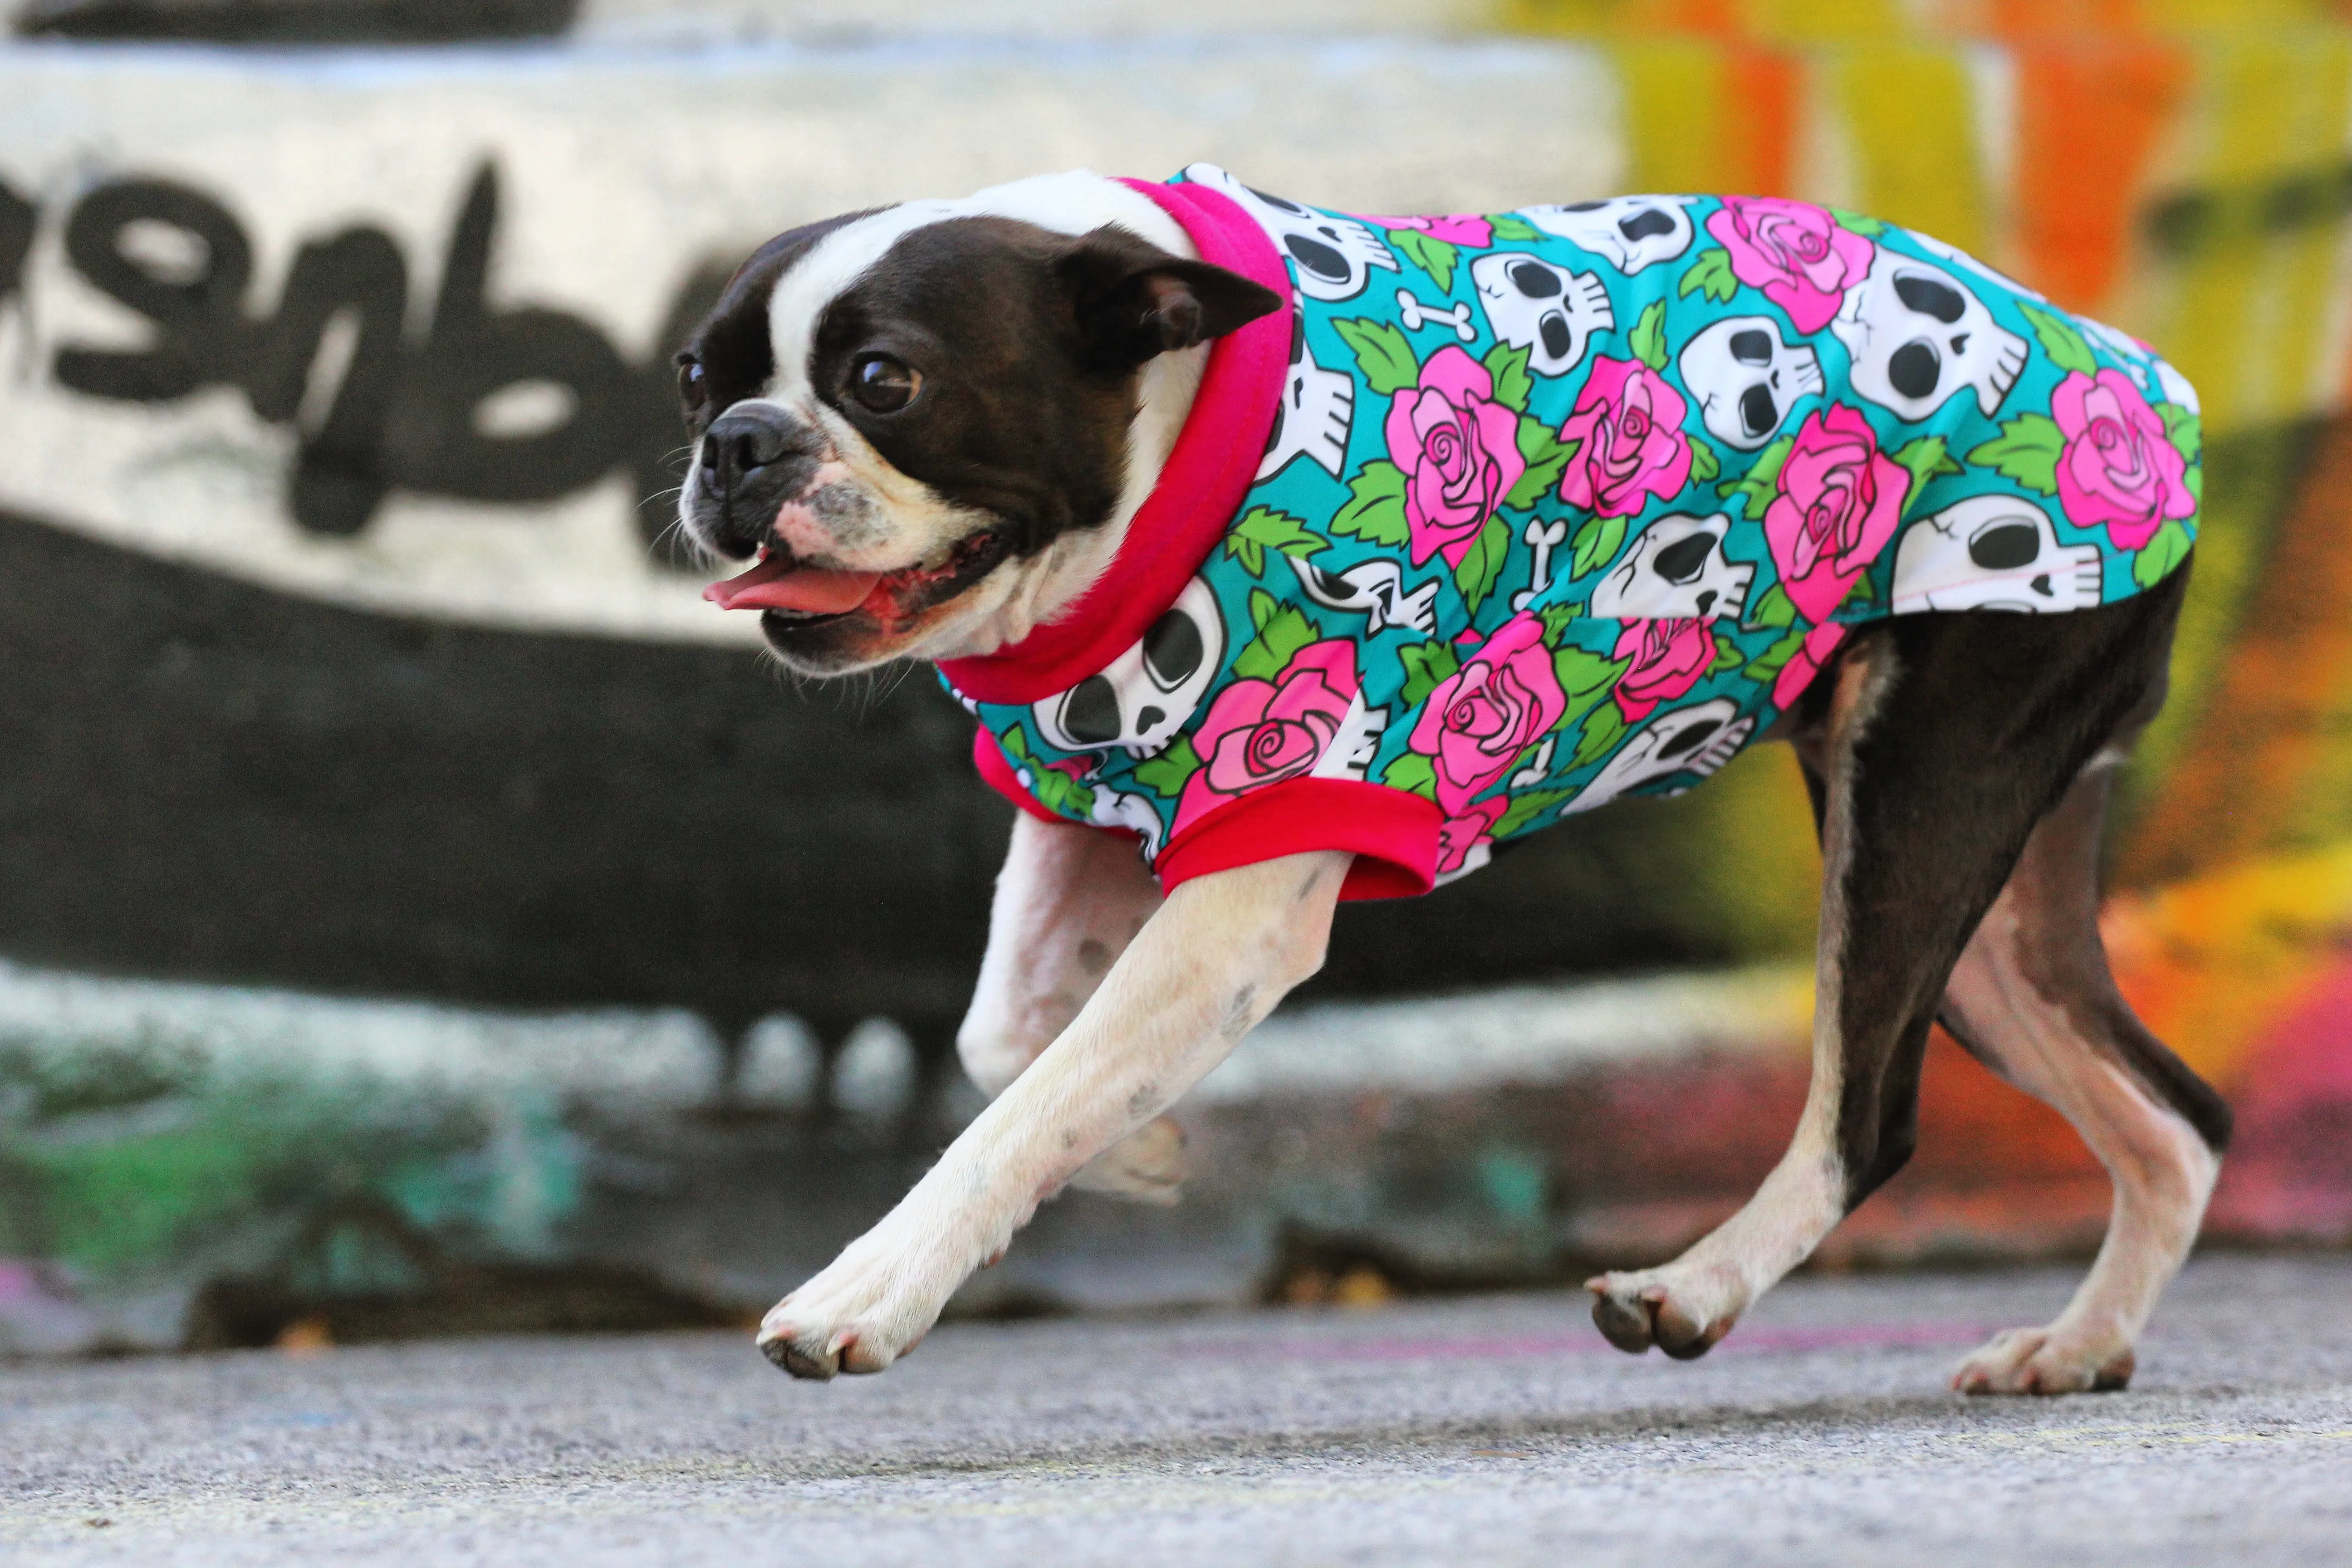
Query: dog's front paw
(1686, 1317)
(1147, 1165)
(2045, 1361)
(859, 1315)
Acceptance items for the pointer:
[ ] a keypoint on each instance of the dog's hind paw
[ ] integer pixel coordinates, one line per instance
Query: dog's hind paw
(1147, 1165)
(2044, 1361)
(1636, 1311)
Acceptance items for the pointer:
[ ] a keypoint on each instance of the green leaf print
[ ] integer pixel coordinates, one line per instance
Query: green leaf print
(2027, 450)
(2061, 340)
(1648, 338)
(1773, 608)
(1279, 636)
(1711, 274)
(1767, 665)
(1413, 773)
(1704, 468)
(1555, 619)
(1727, 654)
(1056, 791)
(1375, 509)
(1546, 457)
(1263, 607)
(1585, 677)
(1381, 353)
(1925, 459)
(2159, 555)
(1856, 223)
(1511, 226)
(2185, 430)
(1482, 563)
(1762, 481)
(1524, 808)
(1507, 364)
(1167, 773)
(1603, 730)
(1595, 544)
(1427, 667)
(1432, 255)
(1262, 528)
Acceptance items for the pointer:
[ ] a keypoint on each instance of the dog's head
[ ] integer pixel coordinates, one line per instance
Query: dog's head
(930, 423)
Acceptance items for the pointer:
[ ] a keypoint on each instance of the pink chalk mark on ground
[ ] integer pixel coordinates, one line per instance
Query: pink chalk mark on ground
(1585, 1341)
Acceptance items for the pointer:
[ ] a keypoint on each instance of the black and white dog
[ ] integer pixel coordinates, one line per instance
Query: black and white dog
(932, 426)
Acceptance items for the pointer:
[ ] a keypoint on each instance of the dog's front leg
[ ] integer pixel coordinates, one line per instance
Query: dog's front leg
(1216, 957)
(1068, 902)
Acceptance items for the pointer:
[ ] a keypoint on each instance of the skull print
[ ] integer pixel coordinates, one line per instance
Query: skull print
(1993, 552)
(1676, 568)
(1333, 256)
(1917, 335)
(1312, 419)
(1139, 702)
(1745, 379)
(1632, 231)
(1548, 310)
(1373, 589)
(1697, 740)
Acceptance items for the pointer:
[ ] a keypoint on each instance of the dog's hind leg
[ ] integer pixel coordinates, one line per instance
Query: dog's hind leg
(2032, 998)
(1936, 745)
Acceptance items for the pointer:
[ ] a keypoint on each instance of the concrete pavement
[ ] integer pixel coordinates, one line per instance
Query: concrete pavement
(1496, 1430)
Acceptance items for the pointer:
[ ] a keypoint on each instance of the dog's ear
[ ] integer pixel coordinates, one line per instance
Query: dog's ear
(1132, 300)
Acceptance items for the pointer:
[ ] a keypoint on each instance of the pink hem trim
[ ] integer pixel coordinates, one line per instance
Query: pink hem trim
(1392, 834)
(1213, 464)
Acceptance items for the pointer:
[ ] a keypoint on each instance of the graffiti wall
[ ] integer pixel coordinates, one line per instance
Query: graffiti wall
(352, 691)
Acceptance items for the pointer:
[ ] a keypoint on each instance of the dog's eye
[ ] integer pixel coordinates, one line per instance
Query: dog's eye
(691, 389)
(884, 385)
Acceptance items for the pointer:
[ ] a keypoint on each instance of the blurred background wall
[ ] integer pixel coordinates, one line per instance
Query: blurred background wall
(418, 912)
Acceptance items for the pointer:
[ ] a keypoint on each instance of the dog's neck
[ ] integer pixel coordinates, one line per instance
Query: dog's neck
(1017, 600)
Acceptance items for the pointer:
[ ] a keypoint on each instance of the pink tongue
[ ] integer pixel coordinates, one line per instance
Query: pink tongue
(776, 583)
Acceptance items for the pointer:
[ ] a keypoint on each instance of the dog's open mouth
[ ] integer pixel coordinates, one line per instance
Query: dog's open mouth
(800, 594)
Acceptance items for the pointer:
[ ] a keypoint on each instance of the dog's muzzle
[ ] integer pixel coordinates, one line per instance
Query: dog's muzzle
(755, 457)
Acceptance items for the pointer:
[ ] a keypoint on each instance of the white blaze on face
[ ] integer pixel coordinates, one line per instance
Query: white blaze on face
(1917, 335)
(1747, 380)
(1993, 552)
(1547, 311)
(1676, 568)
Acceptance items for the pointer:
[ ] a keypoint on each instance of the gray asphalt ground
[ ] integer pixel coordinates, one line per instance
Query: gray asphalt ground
(1497, 1430)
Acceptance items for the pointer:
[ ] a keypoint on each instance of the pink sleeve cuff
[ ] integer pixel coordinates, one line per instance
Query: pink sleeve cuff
(1392, 834)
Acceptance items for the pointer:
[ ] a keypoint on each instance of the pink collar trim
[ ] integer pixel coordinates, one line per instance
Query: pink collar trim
(1208, 473)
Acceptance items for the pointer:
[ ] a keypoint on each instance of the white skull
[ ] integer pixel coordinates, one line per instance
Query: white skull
(1312, 419)
(1694, 739)
(1632, 231)
(1141, 698)
(1917, 336)
(1962, 259)
(1334, 256)
(1373, 589)
(1745, 379)
(1993, 552)
(1676, 568)
(1548, 310)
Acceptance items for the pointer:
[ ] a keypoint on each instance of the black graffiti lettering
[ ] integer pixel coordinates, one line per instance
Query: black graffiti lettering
(341, 471)
(17, 220)
(401, 414)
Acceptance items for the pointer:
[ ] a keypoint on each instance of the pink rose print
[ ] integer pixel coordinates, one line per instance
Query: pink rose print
(1455, 228)
(1480, 718)
(1629, 445)
(1458, 835)
(1793, 251)
(1806, 663)
(1259, 732)
(2118, 468)
(1669, 655)
(1840, 500)
(1460, 452)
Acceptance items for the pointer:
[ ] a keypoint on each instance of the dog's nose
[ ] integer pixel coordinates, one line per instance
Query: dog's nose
(750, 437)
